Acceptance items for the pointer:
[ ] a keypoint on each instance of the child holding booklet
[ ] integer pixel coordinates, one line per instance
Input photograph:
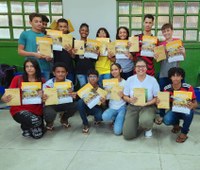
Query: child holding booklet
(65, 55)
(167, 31)
(126, 64)
(60, 72)
(27, 46)
(176, 75)
(139, 88)
(29, 116)
(117, 108)
(103, 63)
(84, 110)
(83, 64)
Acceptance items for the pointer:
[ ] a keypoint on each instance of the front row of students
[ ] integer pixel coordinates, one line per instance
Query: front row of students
(127, 116)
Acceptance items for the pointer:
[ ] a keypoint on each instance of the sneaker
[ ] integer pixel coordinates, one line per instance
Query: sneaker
(26, 133)
(148, 133)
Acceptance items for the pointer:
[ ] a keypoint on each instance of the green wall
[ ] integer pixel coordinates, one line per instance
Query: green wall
(9, 55)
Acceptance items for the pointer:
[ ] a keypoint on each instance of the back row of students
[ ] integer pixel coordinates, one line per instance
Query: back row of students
(79, 65)
(127, 116)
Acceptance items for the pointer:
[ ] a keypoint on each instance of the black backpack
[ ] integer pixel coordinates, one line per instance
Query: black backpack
(6, 74)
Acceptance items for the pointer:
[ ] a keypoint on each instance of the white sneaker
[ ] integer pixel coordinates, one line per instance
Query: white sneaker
(148, 133)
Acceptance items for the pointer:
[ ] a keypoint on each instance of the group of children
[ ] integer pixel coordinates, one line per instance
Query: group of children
(134, 72)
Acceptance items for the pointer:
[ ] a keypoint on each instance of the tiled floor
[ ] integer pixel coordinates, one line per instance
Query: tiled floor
(69, 149)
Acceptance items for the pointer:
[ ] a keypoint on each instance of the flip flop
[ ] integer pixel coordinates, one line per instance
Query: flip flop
(181, 138)
(85, 129)
(176, 129)
(158, 120)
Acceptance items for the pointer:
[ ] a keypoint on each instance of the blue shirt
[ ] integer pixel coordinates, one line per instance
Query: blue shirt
(28, 40)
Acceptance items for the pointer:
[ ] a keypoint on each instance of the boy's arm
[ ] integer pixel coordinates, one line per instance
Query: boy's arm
(24, 53)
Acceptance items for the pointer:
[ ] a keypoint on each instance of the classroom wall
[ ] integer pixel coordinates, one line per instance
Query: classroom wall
(94, 12)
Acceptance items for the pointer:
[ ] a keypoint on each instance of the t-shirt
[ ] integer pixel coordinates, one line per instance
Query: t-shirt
(28, 40)
(115, 104)
(126, 64)
(149, 83)
(33, 108)
(64, 57)
(149, 60)
(102, 65)
(184, 87)
(165, 65)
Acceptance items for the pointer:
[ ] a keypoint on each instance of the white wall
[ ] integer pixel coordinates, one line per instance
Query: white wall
(96, 13)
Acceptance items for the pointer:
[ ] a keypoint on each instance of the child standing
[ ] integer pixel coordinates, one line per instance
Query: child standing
(117, 109)
(27, 44)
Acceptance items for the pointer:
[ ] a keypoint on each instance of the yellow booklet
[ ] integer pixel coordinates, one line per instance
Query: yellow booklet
(160, 52)
(52, 96)
(92, 49)
(31, 93)
(121, 47)
(134, 44)
(108, 84)
(63, 89)
(67, 40)
(114, 95)
(164, 100)
(148, 44)
(140, 94)
(44, 46)
(54, 25)
(102, 93)
(89, 95)
(103, 45)
(180, 100)
(172, 51)
(111, 47)
(80, 46)
(15, 95)
(57, 39)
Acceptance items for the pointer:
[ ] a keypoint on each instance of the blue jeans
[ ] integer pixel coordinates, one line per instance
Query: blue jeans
(118, 116)
(127, 75)
(102, 77)
(82, 78)
(84, 111)
(71, 77)
(173, 118)
(46, 74)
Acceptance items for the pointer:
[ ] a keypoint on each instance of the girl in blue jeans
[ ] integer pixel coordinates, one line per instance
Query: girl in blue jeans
(117, 108)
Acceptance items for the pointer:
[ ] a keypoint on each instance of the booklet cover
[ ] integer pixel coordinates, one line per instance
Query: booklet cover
(102, 93)
(67, 40)
(172, 51)
(89, 95)
(114, 95)
(63, 89)
(52, 96)
(134, 41)
(180, 99)
(164, 100)
(111, 47)
(31, 93)
(140, 94)
(80, 46)
(148, 44)
(44, 46)
(57, 39)
(109, 84)
(92, 49)
(103, 45)
(15, 96)
(160, 52)
(121, 47)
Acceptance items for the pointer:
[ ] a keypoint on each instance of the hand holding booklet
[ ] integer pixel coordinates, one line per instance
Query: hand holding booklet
(15, 96)
(121, 48)
(164, 100)
(140, 94)
(44, 46)
(52, 97)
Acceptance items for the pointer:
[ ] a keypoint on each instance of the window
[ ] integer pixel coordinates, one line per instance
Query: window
(183, 14)
(14, 15)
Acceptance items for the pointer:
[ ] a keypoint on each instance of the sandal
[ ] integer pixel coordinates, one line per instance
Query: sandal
(176, 129)
(50, 128)
(85, 129)
(158, 120)
(66, 125)
(97, 123)
(181, 138)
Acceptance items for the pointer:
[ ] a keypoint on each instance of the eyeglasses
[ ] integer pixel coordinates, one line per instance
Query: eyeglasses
(92, 77)
(140, 66)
